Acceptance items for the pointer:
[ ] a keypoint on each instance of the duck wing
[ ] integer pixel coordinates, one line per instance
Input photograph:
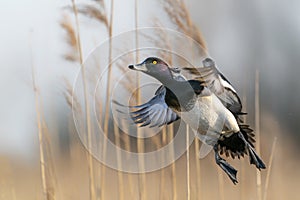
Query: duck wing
(155, 112)
(218, 84)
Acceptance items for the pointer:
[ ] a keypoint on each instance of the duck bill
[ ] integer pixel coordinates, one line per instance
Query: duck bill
(138, 67)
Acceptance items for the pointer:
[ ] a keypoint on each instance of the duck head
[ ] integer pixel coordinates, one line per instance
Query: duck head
(154, 67)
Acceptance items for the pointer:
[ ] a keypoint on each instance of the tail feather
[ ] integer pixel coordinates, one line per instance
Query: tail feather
(234, 146)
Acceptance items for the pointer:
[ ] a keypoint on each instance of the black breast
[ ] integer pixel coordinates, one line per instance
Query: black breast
(183, 95)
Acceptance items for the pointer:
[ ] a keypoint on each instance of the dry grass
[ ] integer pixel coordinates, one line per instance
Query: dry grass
(99, 14)
(140, 143)
(198, 168)
(269, 169)
(48, 177)
(87, 106)
(71, 39)
(257, 132)
(73, 178)
(188, 190)
(180, 16)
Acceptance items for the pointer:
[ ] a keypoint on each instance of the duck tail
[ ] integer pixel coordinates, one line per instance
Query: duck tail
(234, 146)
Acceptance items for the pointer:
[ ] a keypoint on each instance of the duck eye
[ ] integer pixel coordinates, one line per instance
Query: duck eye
(154, 62)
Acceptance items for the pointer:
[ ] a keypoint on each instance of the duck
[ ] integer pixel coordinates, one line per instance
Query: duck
(208, 103)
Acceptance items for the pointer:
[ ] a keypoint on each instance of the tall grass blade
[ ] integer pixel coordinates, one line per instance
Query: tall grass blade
(107, 97)
(257, 128)
(47, 175)
(188, 187)
(87, 106)
(269, 169)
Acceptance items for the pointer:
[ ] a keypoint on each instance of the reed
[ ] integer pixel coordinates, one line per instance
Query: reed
(119, 162)
(162, 193)
(188, 187)
(181, 18)
(98, 13)
(127, 147)
(47, 174)
(40, 135)
(266, 188)
(173, 165)
(107, 111)
(71, 39)
(198, 169)
(87, 106)
(128, 85)
(221, 184)
(140, 142)
(108, 83)
(107, 97)
(257, 128)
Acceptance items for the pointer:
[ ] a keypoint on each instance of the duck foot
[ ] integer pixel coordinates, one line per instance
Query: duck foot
(228, 169)
(254, 158)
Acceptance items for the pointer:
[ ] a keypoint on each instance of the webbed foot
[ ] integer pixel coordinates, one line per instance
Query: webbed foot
(228, 169)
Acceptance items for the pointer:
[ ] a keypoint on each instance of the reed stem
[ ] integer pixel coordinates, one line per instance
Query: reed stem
(188, 163)
(198, 168)
(140, 144)
(162, 194)
(173, 165)
(257, 128)
(221, 184)
(47, 177)
(269, 169)
(40, 135)
(107, 97)
(87, 107)
(119, 162)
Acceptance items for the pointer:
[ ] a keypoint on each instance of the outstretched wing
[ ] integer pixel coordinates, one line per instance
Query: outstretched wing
(155, 112)
(218, 84)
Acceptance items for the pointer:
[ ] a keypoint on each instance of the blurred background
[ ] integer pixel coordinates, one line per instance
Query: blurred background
(255, 44)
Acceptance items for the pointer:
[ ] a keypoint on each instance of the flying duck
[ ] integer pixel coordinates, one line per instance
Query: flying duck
(208, 103)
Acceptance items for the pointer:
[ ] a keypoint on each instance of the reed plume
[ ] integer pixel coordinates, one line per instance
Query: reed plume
(180, 16)
(71, 39)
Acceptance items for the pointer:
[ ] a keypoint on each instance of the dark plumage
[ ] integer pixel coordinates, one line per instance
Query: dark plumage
(183, 94)
(233, 145)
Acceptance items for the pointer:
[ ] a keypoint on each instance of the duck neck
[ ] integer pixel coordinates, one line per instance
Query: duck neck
(169, 82)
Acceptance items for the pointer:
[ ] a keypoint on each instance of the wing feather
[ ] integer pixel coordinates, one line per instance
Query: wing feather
(155, 112)
(218, 84)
